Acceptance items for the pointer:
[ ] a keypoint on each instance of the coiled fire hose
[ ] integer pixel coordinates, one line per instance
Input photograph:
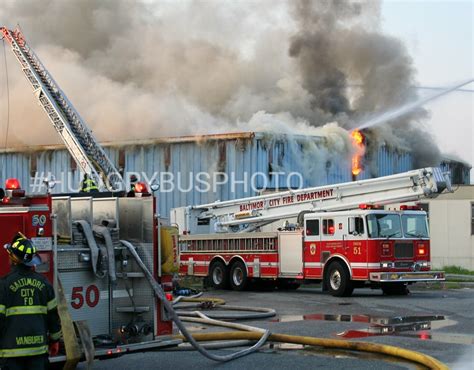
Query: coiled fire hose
(262, 335)
(161, 296)
(249, 334)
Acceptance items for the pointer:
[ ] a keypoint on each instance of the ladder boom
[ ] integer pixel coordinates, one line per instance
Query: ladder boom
(248, 214)
(76, 135)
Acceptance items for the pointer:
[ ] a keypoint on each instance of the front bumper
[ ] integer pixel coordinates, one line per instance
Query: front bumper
(405, 277)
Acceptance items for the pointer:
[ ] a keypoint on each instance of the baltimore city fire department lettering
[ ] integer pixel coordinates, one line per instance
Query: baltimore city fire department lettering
(287, 200)
(27, 282)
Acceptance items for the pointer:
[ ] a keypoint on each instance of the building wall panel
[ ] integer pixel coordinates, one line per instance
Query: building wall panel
(244, 155)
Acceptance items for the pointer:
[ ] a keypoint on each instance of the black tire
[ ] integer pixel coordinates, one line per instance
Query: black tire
(395, 289)
(338, 280)
(238, 276)
(218, 276)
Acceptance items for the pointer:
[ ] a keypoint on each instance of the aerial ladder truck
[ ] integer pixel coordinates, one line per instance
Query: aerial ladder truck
(109, 257)
(76, 135)
(342, 236)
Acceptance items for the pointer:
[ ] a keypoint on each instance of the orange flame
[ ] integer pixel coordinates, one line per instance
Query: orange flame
(358, 144)
(357, 137)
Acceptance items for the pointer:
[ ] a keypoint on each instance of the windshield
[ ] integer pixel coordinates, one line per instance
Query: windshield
(384, 226)
(415, 226)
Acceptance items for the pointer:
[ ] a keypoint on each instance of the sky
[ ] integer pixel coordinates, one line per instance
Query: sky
(225, 81)
(439, 37)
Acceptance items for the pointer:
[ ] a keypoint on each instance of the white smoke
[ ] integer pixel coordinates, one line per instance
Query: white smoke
(152, 68)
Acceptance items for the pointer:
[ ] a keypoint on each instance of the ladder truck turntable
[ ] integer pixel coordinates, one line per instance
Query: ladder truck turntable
(342, 238)
(99, 249)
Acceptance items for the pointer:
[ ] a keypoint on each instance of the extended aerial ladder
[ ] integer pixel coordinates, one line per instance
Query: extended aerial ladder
(249, 214)
(76, 135)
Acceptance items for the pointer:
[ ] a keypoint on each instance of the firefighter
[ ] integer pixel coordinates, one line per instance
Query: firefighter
(133, 182)
(30, 327)
(88, 185)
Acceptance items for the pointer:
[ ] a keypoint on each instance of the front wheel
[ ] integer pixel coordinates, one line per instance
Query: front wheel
(338, 280)
(238, 276)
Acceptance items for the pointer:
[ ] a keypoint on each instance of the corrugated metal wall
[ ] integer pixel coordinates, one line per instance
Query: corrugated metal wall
(238, 156)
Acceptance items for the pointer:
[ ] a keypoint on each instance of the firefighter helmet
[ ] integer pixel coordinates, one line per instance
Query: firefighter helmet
(22, 250)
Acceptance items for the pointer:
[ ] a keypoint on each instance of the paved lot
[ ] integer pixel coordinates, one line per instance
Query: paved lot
(436, 322)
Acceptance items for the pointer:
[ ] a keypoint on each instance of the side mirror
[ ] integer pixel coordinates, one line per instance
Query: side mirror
(154, 186)
(50, 182)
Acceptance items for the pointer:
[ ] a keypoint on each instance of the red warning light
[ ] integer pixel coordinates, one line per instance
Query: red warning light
(140, 187)
(12, 184)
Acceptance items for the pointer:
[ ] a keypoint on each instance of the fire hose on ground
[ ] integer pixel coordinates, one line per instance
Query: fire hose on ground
(262, 335)
(249, 334)
(168, 306)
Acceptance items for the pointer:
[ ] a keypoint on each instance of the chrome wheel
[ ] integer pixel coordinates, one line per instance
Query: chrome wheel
(335, 280)
(237, 276)
(217, 275)
(338, 280)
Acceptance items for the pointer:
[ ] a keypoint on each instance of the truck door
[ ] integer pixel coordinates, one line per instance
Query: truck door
(312, 248)
(10, 225)
(356, 247)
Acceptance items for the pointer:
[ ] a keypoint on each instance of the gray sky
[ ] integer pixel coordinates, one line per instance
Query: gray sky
(439, 37)
(196, 94)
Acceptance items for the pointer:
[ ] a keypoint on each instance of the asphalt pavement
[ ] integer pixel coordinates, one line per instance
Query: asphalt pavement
(432, 319)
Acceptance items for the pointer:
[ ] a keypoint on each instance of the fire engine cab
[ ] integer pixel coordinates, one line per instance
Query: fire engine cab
(336, 240)
(349, 249)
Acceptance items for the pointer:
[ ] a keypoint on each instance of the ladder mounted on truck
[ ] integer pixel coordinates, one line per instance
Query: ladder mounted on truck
(249, 214)
(76, 135)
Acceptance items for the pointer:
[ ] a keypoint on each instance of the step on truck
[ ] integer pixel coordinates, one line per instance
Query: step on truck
(343, 237)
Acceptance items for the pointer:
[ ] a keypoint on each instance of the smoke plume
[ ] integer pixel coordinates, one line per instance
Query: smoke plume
(149, 69)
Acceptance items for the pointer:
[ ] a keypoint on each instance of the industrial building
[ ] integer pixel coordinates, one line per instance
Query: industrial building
(451, 218)
(238, 165)
(245, 164)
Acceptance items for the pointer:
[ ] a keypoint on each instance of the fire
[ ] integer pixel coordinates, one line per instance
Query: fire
(356, 167)
(359, 150)
(357, 137)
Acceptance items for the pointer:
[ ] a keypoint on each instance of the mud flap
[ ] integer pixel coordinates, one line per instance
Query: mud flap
(86, 341)
(73, 351)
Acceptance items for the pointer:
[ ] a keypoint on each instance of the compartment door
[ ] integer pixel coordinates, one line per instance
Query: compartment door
(290, 250)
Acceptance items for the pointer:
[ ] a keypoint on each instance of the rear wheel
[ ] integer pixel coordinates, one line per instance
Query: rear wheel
(238, 276)
(395, 289)
(338, 280)
(218, 275)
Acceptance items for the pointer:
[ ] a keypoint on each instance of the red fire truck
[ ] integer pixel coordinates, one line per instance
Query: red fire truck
(80, 241)
(340, 238)
(98, 250)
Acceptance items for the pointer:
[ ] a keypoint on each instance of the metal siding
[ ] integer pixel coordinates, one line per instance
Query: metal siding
(250, 154)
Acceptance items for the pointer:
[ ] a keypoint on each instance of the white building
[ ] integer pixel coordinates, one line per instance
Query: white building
(452, 227)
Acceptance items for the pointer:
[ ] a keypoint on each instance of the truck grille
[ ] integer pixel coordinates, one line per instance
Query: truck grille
(403, 250)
